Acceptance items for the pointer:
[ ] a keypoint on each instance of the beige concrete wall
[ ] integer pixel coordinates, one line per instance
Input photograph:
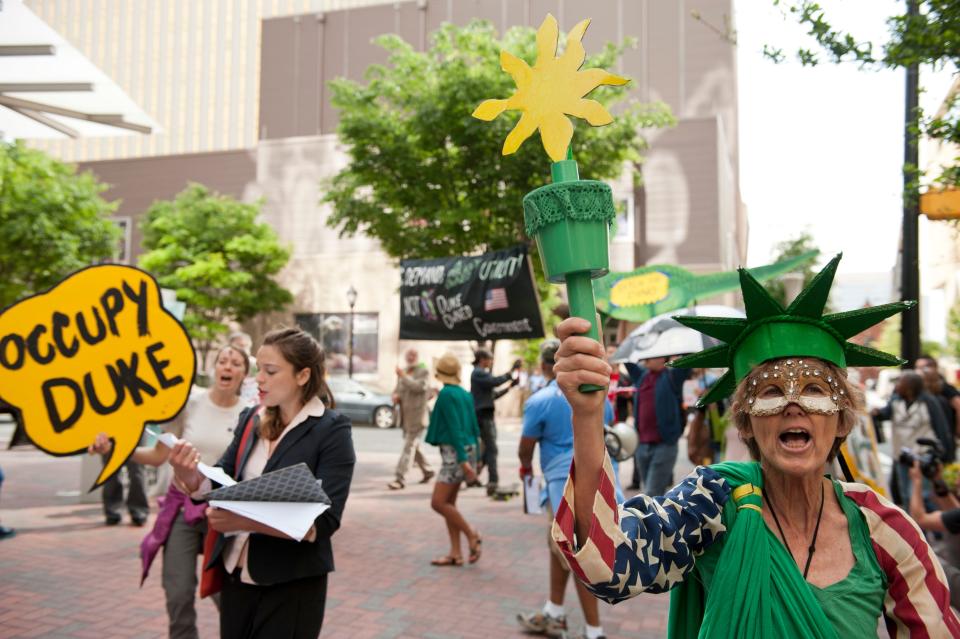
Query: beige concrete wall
(138, 183)
(290, 175)
(193, 65)
(694, 213)
(939, 240)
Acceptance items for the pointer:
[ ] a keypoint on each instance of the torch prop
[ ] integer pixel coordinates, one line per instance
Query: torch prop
(569, 218)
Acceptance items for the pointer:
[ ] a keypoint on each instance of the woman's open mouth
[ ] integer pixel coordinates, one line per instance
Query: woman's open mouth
(795, 439)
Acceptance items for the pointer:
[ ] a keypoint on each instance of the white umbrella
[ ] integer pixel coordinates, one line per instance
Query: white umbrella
(48, 89)
(663, 336)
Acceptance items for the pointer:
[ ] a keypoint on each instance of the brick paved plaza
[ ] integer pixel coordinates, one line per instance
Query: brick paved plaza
(67, 575)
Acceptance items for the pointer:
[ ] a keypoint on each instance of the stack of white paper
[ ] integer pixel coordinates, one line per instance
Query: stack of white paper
(531, 495)
(290, 518)
(288, 499)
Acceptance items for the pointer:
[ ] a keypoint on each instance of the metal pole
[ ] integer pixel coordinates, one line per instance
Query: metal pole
(910, 263)
(350, 346)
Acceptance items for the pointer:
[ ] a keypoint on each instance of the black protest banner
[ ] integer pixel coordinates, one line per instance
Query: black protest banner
(479, 297)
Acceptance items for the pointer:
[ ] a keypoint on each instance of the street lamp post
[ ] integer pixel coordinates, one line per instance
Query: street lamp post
(910, 252)
(351, 300)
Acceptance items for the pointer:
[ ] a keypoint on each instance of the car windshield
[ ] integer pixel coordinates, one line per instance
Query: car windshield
(345, 385)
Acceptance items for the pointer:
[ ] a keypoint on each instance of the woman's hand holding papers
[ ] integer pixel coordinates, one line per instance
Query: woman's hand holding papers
(224, 521)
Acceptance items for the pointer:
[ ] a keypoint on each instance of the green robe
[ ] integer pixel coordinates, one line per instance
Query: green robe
(748, 585)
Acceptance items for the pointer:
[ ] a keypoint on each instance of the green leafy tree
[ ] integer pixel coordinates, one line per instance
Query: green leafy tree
(802, 243)
(929, 38)
(52, 222)
(426, 178)
(220, 260)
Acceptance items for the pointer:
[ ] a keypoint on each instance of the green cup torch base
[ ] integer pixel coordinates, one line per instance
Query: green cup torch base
(570, 220)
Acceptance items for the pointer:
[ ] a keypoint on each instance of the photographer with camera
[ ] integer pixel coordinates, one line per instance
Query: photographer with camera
(946, 519)
(915, 415)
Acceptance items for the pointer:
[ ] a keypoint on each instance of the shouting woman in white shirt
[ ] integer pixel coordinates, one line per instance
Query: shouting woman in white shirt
(208, 420)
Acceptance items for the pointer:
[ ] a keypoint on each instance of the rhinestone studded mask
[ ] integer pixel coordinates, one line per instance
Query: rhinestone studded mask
(777, 384)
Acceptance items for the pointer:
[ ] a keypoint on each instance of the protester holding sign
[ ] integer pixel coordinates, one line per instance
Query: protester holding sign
(208, 421)
(98, 353)
(274, 586)
(470, 297)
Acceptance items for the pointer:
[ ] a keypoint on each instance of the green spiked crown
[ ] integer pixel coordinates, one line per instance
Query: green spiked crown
(770, 332)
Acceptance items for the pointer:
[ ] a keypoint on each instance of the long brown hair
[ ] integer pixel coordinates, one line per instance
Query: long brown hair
(301, 351)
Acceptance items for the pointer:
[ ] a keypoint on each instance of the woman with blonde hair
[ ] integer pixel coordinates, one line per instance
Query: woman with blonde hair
(208, 420)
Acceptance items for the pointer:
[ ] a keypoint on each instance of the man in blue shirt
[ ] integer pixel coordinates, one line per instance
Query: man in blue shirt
(547, 421)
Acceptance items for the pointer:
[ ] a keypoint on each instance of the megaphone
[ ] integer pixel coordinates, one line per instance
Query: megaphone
(621, 440)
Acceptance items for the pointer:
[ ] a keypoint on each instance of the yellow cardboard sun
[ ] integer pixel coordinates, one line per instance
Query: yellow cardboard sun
(551, 90)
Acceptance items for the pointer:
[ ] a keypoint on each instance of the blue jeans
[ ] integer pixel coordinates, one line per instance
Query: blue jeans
(655, 464)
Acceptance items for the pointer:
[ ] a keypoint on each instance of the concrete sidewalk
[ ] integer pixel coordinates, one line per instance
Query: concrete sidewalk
(67, 575)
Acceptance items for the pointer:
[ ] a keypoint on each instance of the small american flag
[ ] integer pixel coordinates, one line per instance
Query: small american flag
(495, 299)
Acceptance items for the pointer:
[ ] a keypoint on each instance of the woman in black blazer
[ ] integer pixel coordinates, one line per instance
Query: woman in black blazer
(275, 587)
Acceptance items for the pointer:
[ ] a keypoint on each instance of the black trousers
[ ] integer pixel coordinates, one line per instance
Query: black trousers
(137, 503)
(488, 437)
(292, 610)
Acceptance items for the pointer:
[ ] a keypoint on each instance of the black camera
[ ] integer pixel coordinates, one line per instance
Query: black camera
(930, 459)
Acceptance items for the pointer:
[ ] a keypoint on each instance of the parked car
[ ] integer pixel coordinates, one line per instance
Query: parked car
(362, 404)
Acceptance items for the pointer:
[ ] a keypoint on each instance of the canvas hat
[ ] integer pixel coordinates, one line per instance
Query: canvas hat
(771, 332)
(448, 369)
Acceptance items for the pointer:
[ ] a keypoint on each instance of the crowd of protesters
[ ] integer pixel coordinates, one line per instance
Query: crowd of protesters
(259, 564)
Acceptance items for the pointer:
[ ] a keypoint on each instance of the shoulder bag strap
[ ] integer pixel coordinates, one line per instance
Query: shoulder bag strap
(247, 429)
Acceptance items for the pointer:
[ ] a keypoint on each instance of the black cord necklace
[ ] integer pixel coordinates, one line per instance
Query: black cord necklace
(816, 530)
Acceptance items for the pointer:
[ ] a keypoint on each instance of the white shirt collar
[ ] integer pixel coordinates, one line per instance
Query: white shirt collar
(313, 408)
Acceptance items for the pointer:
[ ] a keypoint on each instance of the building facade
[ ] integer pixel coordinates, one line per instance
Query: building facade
(274, 137)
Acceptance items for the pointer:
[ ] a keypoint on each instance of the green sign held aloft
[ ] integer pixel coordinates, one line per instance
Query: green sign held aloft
(653, 290)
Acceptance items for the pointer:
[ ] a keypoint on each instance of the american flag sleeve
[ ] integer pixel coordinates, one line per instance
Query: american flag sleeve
(917, 603)
(647, 544)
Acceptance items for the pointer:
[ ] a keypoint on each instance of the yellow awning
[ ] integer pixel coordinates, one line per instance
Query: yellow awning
(941, 205)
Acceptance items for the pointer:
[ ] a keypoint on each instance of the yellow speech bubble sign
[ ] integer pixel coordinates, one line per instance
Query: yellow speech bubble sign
(97, 353)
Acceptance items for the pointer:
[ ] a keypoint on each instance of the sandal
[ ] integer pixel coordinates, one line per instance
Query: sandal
(427, 476)
(448, 560)
(476, 549)
(396, 484)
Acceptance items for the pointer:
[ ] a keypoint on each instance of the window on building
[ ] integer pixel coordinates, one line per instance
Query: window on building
(332, 330)
(123, 244)
(624, 220)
